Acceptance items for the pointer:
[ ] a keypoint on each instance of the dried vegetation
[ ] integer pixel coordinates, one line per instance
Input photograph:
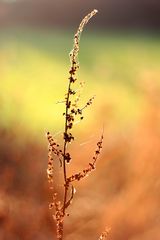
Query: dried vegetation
(62, 154)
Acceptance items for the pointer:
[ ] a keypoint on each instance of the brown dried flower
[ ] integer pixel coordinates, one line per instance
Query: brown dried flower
(64, 156)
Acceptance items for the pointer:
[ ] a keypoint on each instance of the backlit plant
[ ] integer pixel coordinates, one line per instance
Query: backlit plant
(56, 152)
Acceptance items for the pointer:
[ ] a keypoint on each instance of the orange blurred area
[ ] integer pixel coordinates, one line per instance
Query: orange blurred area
(122, 71)
(123, 193)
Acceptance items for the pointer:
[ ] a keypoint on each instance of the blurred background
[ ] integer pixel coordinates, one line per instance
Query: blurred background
(120, 64)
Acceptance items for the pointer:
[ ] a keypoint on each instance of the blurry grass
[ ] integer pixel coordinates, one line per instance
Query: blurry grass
(34, 67)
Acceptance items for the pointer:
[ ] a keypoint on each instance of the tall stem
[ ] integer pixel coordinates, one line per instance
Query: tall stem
(65, 146)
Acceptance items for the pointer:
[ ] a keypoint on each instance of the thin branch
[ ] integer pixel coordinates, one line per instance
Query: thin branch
(71, 110)
(69, 118)
(91, 165)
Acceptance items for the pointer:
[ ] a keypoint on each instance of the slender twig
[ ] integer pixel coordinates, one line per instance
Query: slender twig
(65, 146)
(72, 79)
(71, 112)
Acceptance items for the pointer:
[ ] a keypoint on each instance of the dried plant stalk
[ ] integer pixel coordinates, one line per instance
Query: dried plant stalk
(72, 111)
(75, 50)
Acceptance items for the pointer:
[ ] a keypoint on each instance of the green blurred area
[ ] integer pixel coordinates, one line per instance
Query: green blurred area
(34, 70)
